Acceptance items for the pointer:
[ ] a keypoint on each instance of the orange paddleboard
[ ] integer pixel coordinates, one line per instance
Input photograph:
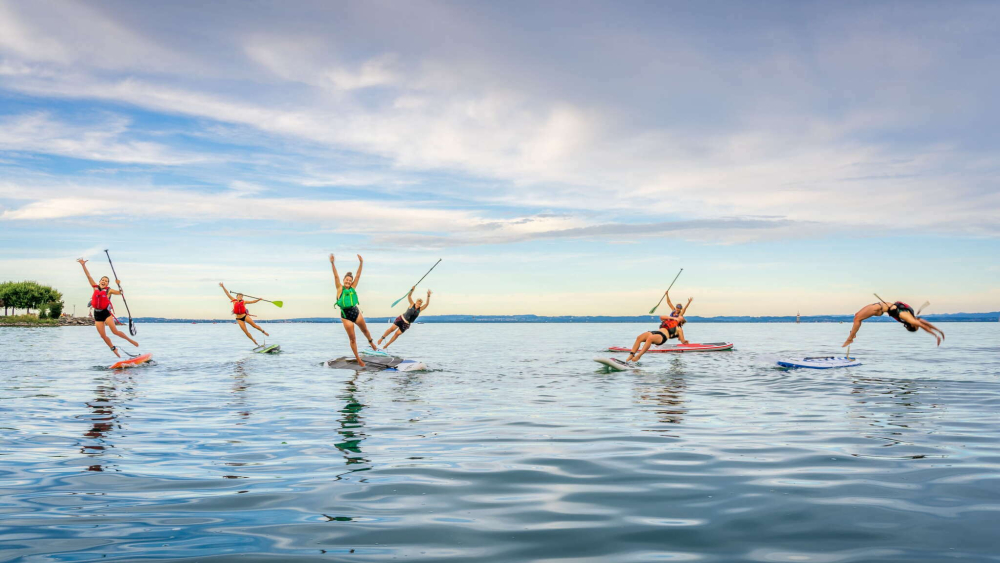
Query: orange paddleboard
(132, 362)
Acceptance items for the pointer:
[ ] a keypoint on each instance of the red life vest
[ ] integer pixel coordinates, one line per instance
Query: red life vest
(669, 324)
(239, 308)
(101, 299)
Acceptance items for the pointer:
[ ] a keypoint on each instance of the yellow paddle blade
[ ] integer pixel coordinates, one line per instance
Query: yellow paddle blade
(278, 303)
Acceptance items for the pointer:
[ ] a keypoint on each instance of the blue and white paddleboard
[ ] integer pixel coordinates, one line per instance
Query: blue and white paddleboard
(823, 362)
(409, 365)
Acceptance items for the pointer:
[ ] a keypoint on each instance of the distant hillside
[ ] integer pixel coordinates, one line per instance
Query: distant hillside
(951, 317)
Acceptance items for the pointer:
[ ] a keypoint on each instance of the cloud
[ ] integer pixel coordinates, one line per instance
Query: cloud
(38, 132)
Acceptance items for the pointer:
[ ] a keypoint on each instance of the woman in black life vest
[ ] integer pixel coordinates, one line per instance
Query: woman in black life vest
(104, 318)
(403, 322)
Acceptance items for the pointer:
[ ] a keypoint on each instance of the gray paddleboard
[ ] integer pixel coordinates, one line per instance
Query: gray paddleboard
(372, 363)
(614, 364)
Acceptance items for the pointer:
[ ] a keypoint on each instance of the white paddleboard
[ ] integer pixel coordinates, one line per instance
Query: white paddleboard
(820, 362)
(614, 364)
(409, 365)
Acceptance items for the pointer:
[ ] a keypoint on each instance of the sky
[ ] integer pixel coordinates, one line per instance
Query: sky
(561, 158)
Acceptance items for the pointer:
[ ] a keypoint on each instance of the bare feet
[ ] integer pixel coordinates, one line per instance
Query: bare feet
(360, 362)
(847, 342)
(266, 334)
(372, 344)
(380, 340)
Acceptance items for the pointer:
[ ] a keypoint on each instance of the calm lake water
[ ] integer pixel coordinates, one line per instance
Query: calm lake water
(515, 447)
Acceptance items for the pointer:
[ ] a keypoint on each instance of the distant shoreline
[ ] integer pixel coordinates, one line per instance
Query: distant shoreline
(534, 319)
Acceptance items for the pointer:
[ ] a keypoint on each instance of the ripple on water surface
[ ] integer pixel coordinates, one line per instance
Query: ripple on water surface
(517, 450)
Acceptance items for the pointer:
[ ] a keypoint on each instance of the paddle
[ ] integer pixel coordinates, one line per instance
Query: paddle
(278, 304)
(924, 306)
(396, 302)
(653, 310)
(131, 325)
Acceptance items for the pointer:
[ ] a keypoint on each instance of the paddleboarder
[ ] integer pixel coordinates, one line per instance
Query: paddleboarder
(900, 311)
(243, 316)
(104, 316)
(347, 300)
(670, 327)
(403, 322)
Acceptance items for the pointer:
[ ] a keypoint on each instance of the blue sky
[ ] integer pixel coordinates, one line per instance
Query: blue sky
(561, 157)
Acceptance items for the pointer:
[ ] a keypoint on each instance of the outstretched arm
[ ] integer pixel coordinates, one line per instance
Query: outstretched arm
(409, 296)
(252, 302)
(227, 292)
(669, 303)
(357, 276)
(87, 272)
(428, 302)
(685, 309)
(336, 276)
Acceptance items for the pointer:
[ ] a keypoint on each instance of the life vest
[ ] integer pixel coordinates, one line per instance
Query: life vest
(411, 314)
(101, 299)
(899, 307)
(669, 324)
(348, 298)
(239, 308)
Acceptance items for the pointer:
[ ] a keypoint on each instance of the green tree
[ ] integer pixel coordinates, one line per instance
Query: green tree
(28, 295)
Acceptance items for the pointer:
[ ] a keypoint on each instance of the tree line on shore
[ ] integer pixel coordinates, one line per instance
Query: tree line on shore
(29, 295)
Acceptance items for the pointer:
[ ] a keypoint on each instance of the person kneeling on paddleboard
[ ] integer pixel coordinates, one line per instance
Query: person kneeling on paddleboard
(900, 311)
(347, 300)
(104, 316)
(242, 315)
(403, 322)
(670, 327)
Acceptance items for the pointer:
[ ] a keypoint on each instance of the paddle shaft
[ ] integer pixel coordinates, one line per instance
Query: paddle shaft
(131, 325)
(254, 297)
(418, 281)
(651, 311)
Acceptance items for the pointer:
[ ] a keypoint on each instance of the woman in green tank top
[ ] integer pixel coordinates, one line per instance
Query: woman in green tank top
(347, 300)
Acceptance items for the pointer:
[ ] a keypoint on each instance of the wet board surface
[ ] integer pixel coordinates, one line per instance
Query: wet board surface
(372, 363)
(614, 364)
(269, 349)
(132, 362)
(408, 365)
(819, 362)
(678, 348)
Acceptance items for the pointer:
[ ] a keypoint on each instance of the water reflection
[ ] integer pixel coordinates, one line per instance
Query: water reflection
(666, 395)
(891, 411)
(240, 385)
(351, 425)
(105, 419)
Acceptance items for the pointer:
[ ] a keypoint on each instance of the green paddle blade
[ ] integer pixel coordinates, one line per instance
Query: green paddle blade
(653, 310)
(278, 303)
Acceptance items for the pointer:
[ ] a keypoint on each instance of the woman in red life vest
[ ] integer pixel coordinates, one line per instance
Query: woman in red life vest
(242, 315)
(104, 318)
(670, 327)
(901, 312)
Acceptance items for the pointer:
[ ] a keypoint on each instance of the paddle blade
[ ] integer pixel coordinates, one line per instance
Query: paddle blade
(396, 302)
(278, 304)
(653, 310)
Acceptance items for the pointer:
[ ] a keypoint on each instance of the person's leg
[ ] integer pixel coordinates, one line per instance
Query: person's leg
(364, 329)
(387, 332)
(110, 323)
(243, 326)
(920, 323)
(349, 327)
(635, 346)
(104, 336)
(253, 324)
(394, 337)
(866, 312)
(645, 347)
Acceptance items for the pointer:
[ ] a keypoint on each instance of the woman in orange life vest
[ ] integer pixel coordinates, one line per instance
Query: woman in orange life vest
(242, 315)
(347, 300)
(104, 318)
(670, 323)
(900, 311)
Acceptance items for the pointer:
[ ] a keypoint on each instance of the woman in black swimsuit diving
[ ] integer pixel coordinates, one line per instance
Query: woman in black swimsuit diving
(403, 322)
(104, 316)
(670, 327)
(901, 312)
